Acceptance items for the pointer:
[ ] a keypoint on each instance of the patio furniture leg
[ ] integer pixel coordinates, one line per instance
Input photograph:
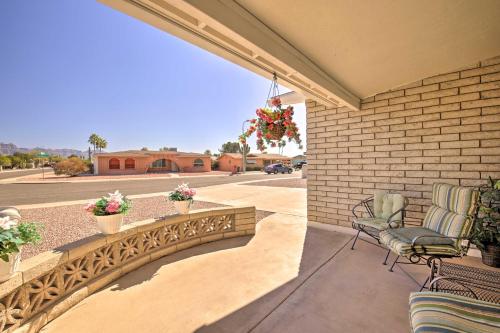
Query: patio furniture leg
(355, 239)
(423, 285)
(393, 264)
(386, 257)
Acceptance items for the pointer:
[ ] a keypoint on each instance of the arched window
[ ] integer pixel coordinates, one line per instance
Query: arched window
(162, 163)
(198, 162)
(129, 163)
(114, 163)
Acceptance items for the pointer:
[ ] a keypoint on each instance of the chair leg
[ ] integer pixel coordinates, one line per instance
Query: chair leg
(423, 285)
(355, 239)
(393, 264)
(386, 257)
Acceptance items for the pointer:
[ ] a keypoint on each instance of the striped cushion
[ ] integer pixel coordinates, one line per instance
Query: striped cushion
(446, 223)
(457, 199)
(435, 312)
(379, 224)
(402, 246)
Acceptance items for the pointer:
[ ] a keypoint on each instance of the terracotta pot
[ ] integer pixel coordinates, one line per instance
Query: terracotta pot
(7, 269)
(109, 224)
(182, 207)
(277, 132)
(491, 255)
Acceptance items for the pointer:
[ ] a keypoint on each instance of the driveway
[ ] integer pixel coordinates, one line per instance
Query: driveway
(24, 194)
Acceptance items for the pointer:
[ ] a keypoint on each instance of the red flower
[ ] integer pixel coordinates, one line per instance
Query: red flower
(253, 121)
(275, 101)
(289, 134)
(268, 135)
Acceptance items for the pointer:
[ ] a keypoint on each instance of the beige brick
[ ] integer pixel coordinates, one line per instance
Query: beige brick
(490, 143)
(406, 180)
(490, 93)
(377, 116)
(387, 134)
(375, 142)
(460, 98)
(480, 103)
(404, 99)
(490, 127)
(427, 159)
(442, 152)
(480, 71)
(490, 110)
(480, 87)
(374, 104)
(460, 129)
(440, 93)
(481, 167)
(441, 123)
(459, 159)
(421, 104)
(425, 117)
(442, 108)
(422, 89)
(480, 135)
(402, 127)
(406, 139)
(490, 77)
(406, 153)
(390, 160)
(430, 145)
(461, 113)
(389, 108)
(459, 174)
(481, 119)
(447, 167)
(423, 174)
(441, 78)
(424, 131)
(460, 83)
(490, 159)
(481, 151)
(395, 121)
(390, 94)
(443, 137)
(376, 129)
(405, 113)
(491, 61)
(459, 144)
(389, 147)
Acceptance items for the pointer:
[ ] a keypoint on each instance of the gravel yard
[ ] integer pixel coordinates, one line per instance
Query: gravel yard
(286, 182)
(67, 224)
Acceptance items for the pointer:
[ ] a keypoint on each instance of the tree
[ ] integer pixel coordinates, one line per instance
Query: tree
(72, 166)
(101, 143)
(207, 152)
(144, 149)
(244, 146)
(230, 147)
(5, 162)
(93, 139)
(16, 162)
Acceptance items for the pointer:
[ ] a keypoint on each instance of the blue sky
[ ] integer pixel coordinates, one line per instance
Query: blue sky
(70, 68)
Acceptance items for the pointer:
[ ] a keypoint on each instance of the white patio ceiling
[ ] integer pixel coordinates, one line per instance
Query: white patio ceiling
(334, 51)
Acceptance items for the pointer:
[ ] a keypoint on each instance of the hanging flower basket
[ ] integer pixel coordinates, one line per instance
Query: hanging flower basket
(274, 126)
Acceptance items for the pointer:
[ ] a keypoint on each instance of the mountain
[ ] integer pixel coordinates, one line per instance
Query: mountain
(10, 148)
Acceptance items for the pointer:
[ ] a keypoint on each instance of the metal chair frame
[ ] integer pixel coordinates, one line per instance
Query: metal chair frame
(373, 233)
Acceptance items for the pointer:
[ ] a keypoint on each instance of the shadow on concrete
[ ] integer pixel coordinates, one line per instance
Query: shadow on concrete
(149, 271)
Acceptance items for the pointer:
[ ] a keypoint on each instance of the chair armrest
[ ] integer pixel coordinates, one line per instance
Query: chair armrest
(363, 203)
(401, 210)
(459, 281)
(414, 240)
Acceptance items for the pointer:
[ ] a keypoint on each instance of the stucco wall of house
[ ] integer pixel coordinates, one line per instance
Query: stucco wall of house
(142, 164)
(444, 128)
(227, 163)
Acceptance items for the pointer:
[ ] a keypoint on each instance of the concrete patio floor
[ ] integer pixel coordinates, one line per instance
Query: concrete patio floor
(287, 278)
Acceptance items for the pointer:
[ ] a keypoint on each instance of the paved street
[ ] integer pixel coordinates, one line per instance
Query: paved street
(20, 173)
(24, 194)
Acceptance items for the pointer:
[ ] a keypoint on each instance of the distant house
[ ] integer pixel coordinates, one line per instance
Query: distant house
(139, 162)
(299, 158)
(234, 162)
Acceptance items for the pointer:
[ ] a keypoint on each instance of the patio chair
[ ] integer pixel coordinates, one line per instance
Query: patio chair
(385, 211)
(445, 230)
(443, 312)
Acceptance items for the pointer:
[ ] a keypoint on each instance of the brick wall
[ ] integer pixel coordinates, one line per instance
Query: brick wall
(444, 128)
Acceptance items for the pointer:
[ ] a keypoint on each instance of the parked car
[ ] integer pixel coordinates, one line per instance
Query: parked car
(299, 165)
(278, 167)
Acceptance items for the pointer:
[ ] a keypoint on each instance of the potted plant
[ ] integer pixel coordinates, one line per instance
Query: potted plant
(109, 212)
(273, 126)
(486, 233)
(13, 236)
(182, 197)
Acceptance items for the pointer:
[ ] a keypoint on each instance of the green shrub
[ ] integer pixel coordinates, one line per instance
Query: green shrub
(72, 166)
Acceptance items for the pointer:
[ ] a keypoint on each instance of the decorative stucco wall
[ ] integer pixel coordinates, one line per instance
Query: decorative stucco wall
(444, 128)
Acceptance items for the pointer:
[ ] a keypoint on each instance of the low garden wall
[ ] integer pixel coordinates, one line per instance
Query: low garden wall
(52, 282)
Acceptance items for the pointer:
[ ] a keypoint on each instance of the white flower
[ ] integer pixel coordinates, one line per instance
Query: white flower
(117, 196)
(6, 223)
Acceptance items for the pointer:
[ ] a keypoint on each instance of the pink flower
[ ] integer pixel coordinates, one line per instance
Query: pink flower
(89, 207)
(276, 101)
(112, 207)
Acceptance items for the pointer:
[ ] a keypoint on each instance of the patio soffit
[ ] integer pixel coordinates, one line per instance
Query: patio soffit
(333, 51)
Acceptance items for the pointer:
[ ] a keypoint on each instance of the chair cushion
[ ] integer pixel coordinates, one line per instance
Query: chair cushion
(457, 199)
(379, 224)
(399, 241)
(446, 223)
(441, 312)
(378, 203)
(429, 237)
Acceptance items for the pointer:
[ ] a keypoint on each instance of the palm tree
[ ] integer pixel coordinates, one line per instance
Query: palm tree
(102, 143)
(93, 139)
